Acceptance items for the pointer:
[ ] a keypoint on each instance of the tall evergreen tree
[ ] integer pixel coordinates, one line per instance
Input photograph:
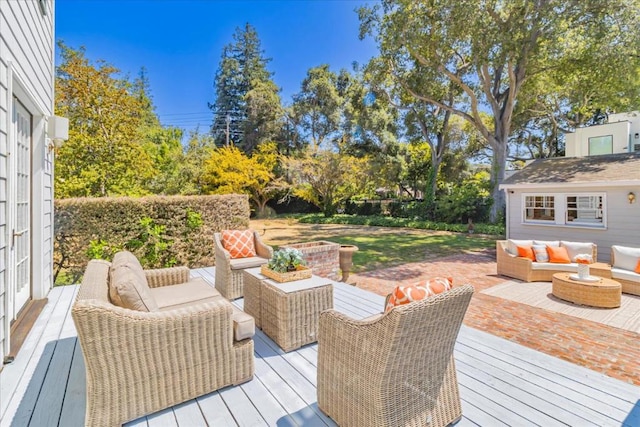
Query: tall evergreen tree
(242, 85)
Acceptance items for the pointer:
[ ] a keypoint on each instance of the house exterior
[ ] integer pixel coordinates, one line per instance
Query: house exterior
(590, 199)
(26, 157)
(621, 134)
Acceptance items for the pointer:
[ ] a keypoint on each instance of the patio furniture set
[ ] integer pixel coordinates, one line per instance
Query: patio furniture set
(602, 287)
(152, 339)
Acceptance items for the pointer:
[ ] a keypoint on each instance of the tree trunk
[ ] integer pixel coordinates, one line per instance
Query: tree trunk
(498, 165)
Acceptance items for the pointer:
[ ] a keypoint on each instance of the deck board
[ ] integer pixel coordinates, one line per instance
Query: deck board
(501, 383)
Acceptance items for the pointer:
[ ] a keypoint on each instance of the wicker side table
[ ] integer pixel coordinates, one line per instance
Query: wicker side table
(605, 293)
(252, 286)
(289, 313)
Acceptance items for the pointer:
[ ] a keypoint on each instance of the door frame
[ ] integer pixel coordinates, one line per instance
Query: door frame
(41, 197)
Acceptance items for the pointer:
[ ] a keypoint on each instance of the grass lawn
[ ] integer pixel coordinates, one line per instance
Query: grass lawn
(380, 247)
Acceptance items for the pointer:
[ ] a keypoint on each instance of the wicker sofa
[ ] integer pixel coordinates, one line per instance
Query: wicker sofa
(511, 265)
(139, 362)
(393, 369)
(624, 261)
(229, 278)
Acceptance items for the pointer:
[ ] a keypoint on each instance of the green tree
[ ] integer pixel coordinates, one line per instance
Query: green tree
(487, 50)
(229, 170)
(318, 106)
(103, 156)
(247, 105)
(327, 178)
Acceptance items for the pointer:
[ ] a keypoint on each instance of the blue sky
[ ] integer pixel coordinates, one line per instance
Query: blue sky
(179, 42)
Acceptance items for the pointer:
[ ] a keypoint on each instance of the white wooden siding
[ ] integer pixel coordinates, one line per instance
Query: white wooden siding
(26, 70)
(623, 219)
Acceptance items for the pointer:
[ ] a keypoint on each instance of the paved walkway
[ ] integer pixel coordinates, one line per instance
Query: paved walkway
(612, 351)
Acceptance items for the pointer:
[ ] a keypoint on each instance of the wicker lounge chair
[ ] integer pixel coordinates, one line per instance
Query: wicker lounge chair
(395, 369)
(229, 279)
(139, 362)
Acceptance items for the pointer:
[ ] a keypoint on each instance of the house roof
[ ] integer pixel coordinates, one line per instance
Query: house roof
(610, 169)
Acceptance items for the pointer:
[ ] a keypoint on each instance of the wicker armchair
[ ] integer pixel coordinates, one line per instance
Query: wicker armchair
(395, 369)
(141, 362)
(229, 279)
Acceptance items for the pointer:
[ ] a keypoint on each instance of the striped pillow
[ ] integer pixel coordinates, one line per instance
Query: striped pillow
(405, 294)
(540, 251)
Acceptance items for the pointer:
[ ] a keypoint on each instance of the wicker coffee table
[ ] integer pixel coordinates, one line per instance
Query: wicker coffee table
(604, 293)
(287, 312)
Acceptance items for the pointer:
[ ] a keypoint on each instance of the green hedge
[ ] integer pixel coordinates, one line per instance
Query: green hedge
(161, 231)
(387, 221)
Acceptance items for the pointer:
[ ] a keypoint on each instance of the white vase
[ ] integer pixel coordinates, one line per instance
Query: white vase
(583, 271)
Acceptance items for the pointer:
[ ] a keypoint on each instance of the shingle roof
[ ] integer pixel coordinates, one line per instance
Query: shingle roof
(603, 168)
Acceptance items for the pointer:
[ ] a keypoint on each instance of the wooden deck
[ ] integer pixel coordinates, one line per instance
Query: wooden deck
(501, 383)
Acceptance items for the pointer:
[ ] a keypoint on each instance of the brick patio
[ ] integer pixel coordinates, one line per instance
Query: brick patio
(596, 346)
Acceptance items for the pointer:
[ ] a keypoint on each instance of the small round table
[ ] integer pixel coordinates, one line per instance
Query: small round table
(605, 293)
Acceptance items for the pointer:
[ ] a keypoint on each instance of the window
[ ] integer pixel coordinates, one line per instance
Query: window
(600, 145)
(539, 208)
(565, 210)
(584, 209)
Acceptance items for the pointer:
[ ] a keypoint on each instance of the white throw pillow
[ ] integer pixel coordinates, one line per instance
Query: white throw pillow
(625, 257)
(576, 248)
(512, 245)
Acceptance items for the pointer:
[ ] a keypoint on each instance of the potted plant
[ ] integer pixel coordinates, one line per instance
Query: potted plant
(286, 265)
(285, 260)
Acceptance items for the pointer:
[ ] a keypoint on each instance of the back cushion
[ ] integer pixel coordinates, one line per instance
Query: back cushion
(128, 285)
(554, 243)
(577, 248)
(512, 245)
(405, 294)
(625, 257)
(239, 243)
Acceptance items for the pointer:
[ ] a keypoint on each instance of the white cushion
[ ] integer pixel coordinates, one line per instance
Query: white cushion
(540, 252)
(248, 262)
(625, 257)
(570, 268)
(512, 245)
(618, 273)
(576, 248)
(555, 243)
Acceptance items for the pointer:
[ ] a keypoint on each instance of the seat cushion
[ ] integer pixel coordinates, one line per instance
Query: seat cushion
(554, 266)
(619, 273)
(406, 294)
(198, 291)
(195, 291)
(128, 285)
(239, 243)
(250, 262)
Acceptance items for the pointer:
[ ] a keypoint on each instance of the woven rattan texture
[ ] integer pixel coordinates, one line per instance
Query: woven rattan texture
(605, 293)
(395, 370)
(628, 286)
(521, 268)
(230, 283)
(139, 362)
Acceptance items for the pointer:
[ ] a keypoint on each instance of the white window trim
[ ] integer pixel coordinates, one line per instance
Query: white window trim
(560, 210)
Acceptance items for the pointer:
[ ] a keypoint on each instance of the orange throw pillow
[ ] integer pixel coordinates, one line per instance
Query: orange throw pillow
(405, 294)
(526, 252)
(239, 243)
(638, 267)
(558, 254)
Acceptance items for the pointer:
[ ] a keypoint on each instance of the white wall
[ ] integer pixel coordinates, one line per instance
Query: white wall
(26, 71)
(622, 219)
(577, 143)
